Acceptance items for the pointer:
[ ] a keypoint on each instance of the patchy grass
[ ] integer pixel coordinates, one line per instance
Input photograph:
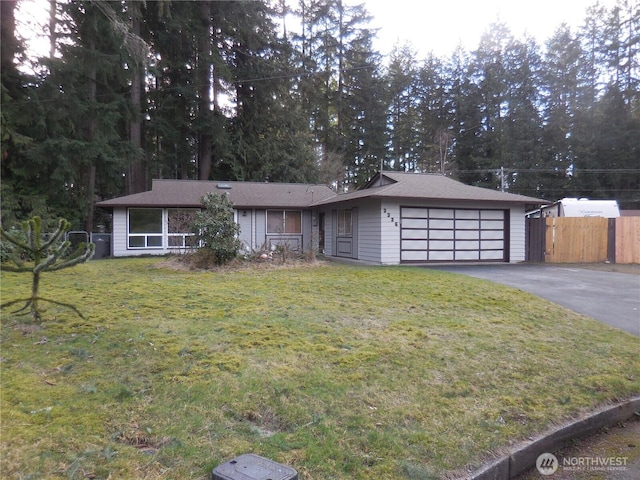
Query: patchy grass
(342, 372)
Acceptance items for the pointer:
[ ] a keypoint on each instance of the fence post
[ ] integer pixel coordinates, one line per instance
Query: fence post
(611, 240)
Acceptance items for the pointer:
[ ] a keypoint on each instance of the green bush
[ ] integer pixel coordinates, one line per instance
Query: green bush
(8, 249)
(216, 230)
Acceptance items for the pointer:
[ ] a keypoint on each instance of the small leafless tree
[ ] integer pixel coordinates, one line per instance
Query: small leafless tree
(35, 255)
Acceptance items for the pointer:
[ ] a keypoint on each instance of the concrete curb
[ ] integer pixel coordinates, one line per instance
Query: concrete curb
(524, 457)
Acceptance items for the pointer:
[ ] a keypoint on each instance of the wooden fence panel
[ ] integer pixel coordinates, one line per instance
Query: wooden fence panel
(628, 240)
(576, 240)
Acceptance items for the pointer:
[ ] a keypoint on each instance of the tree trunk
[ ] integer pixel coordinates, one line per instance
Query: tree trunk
(35, 286)
(52, 28)
(204, 94)
(8, 44)
(91, 134)
(137, 175)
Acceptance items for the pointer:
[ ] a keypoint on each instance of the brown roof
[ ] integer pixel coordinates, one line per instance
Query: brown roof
(188, 193)
(427, 187)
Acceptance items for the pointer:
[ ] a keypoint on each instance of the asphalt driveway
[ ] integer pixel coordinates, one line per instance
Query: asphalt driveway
(610, 297)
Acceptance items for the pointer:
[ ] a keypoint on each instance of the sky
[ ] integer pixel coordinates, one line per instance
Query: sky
(439, 26)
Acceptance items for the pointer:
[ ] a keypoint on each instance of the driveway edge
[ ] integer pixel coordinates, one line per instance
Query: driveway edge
(524, 457)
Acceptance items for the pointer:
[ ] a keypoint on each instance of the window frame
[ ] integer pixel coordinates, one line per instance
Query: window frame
(187, 238)
(297, 222)
(342, 223)
(146, 236)
(164, 238)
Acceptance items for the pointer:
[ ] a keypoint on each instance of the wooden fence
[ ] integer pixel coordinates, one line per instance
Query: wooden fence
(627, 232)
(583, 240)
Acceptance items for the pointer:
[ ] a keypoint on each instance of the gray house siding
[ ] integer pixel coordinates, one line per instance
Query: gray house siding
(260, 228)
(119, 233)
(390, 232)
(368, 231)
(329, 229)
(245, 220)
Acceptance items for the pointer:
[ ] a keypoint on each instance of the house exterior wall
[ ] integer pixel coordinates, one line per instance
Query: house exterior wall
(253, 233)
(260, 223)
(245, 220)
(390, 232)
(329, 232)
(368, 229)
(378, 228)
(517, 239)
(119, 233)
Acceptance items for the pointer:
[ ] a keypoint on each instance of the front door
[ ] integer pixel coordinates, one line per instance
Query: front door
(346, 228)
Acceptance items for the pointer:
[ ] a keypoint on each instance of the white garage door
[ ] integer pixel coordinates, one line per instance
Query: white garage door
(452, 234)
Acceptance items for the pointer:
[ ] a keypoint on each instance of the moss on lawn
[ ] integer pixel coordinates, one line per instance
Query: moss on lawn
(343, 372)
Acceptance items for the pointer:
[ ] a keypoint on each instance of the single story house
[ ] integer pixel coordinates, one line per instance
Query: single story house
(396, 218)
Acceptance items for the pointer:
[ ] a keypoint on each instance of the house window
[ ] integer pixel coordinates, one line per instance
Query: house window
(180, 231)
(145, 228)
(284, 221)
(344, 223)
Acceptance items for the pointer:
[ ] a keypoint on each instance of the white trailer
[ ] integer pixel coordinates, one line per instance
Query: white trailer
(580, 207)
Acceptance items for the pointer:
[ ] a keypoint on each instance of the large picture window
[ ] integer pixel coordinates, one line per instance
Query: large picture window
(145, 228)
(284, 221)
(344, 223)
(180, 221)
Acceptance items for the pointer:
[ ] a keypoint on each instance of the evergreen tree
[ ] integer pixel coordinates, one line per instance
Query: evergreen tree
(463, 100)
(435, 136)
(403, 116)
(522, 126)
(363, 100)
(74, 116)
(561, 77)
(18, 192)
(490, 75)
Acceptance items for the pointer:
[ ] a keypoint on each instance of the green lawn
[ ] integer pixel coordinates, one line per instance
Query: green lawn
(342, 372)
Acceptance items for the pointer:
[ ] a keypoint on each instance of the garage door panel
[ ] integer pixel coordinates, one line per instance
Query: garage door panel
(415, 256)
(440, 234)
(415, 244)
(408, 212)
(492, 244)
(467, 234)
(492, 235)
(447, 234)
(492, 215)
(467, 255)
(467, 224)
(492, 255)
(441, 245)
(469, 214)
(414, 234)
(415, 223)
(438, 223)
(440, 212)
(492, 225)
(467, 245)
(436, 256)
